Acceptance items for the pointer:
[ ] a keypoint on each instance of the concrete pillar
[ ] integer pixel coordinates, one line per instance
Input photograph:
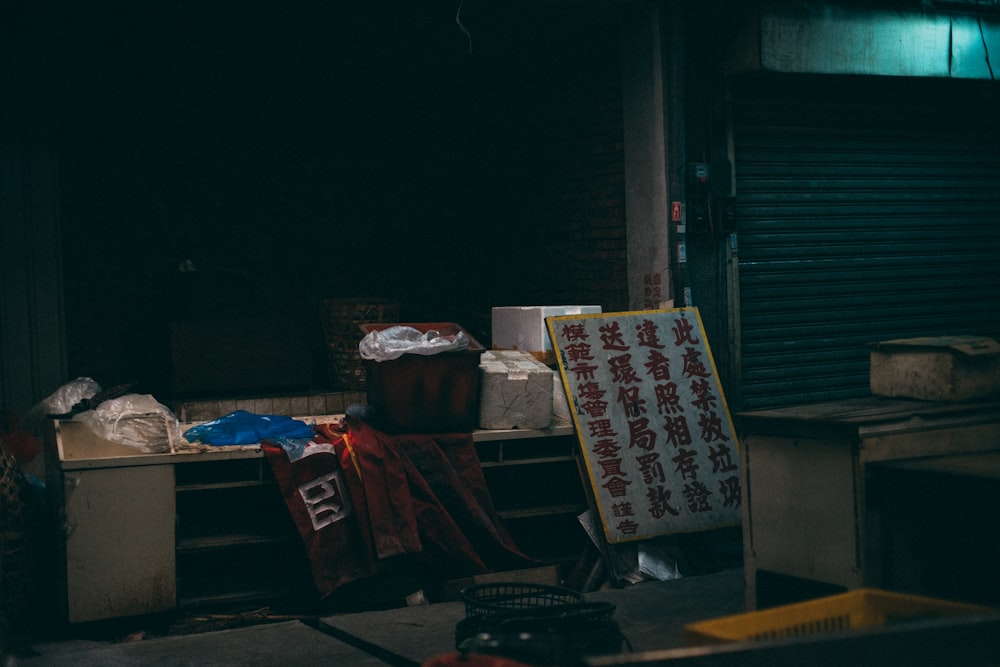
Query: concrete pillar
(647, 207)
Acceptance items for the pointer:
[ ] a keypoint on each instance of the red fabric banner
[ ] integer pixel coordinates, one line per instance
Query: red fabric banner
(315, 489)
(361, 497)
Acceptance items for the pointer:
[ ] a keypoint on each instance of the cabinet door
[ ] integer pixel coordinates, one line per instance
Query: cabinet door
(120, 542)
(800, 509)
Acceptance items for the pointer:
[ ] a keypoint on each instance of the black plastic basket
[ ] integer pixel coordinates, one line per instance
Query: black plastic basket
(483, 599)
(575, 628)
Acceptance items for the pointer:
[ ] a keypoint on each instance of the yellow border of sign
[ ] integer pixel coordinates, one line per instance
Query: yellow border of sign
(550, 326)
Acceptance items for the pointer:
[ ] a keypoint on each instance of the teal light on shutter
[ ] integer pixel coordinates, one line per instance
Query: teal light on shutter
(867, 209)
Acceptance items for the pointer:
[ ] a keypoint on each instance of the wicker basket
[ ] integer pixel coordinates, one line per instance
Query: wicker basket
(340, 319)
(18, 515)
(12, 489)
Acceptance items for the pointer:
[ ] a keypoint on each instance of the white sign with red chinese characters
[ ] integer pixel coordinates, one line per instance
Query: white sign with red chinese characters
(652, 420)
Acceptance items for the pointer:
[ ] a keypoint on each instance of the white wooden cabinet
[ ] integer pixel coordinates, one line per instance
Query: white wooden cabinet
(145, 533)
(122, 564)
(115, 511)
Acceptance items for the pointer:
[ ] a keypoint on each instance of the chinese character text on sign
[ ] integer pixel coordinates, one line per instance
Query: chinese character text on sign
(652, 420)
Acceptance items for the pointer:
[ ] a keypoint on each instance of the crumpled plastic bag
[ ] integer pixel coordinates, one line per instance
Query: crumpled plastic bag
(138, 420)
(62, 400)
(246, 428)
(394, 342)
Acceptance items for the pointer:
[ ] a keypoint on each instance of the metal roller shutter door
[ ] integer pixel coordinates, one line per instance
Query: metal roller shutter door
(866, 209)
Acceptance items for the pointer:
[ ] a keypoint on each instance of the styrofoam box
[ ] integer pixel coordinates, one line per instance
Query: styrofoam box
(523, 328)
(515, 391)
(946, 368)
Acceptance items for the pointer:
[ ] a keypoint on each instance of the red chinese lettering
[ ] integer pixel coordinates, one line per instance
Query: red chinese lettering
(623, 508)
(722, 459)
(575, 331)
(594, 408)
(578, 352)
(590, 390)
(730, 490)
(696, 494)
(683, 332)
(617, 486)
(611, 337)
(621, 369)
(640, 435)
(652, 290)
(667, 398)
(583, 371)
(631, 402)
(628, 527)
(651, 468)
(686, 465)
(693, 365)
(611, 467)
(606, 447)
(658, 366)
(600, 428)
(649, 335)
(711, 427)
(704, 400)
(677, 431)
(659, 502)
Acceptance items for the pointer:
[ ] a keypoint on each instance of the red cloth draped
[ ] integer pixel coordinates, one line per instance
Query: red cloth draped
(418, 496)
(316, 492)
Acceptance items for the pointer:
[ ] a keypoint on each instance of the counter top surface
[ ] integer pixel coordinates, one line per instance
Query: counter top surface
(870, 414)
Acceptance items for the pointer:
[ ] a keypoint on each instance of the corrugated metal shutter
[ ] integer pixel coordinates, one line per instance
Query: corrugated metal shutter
(867, 209)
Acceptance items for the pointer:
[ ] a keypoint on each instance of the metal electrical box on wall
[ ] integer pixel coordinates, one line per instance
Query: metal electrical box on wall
(709, 197)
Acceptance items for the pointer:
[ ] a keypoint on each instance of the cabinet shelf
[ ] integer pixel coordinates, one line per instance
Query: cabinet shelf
(535, 484)
(181, 488)
(212, 542)
(549, 510)
(231, 598)
(523, 462)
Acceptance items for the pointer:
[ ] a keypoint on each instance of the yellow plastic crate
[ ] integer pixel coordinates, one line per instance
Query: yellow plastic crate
(862, 608)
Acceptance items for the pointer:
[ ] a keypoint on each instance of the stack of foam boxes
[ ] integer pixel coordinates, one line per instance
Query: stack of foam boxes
(520, 387)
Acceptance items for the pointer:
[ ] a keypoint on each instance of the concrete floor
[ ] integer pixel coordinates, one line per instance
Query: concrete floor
(650, 615)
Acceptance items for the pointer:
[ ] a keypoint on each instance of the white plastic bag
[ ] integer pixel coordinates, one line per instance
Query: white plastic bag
(64, 398)
(138, 420)
(394, 342)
